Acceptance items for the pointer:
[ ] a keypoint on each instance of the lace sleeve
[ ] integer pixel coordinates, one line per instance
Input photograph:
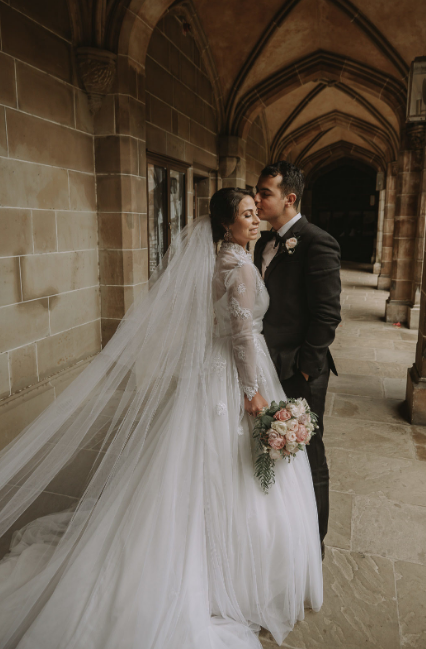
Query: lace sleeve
(241, 291)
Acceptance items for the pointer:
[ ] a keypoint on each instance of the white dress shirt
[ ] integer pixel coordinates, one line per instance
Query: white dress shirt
(270, 251)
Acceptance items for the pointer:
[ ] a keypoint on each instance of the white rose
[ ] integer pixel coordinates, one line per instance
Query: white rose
(297, 409)
(292, 425)
(280, 427)
(274, 454)
(290, 436)
(292, 447)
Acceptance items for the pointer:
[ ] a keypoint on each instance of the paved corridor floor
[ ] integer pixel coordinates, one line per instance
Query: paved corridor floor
(375, 563)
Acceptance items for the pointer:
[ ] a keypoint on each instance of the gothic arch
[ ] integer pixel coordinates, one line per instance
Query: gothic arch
(319, 66)
(356, 17)
(339, 150)
(386, 125)
(324, 123)
(334, 164)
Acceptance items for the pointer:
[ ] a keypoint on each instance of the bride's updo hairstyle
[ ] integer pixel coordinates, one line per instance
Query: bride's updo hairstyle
(224, 208)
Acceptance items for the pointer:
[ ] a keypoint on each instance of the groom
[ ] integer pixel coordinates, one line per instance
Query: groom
(300, 264)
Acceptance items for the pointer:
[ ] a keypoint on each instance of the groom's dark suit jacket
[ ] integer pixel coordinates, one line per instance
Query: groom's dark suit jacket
(304, 310)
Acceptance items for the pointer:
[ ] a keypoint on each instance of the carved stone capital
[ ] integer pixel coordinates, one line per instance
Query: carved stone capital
(97, 71)
(227, 165)
(416, 136)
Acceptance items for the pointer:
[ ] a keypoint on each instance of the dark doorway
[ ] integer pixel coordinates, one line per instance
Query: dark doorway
(345, 203)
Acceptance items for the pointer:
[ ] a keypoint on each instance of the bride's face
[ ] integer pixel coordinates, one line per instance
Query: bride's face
(246, 225)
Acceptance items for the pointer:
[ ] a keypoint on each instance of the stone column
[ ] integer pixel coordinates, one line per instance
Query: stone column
(405, 228)
(380, 184)
(120, 156)
(413, 313)
(232, 161)
(384, 279)
(416, 376)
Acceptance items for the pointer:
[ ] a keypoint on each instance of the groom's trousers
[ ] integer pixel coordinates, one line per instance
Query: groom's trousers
(314, 391)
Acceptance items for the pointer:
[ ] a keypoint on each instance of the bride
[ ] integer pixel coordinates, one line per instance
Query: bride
(171, 544)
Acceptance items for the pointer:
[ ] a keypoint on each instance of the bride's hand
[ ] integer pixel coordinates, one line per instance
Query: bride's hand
(254, 406)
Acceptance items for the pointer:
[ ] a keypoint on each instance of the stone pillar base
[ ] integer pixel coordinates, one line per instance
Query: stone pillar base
(383, 283)
(396, 311)
(413, 317)
(416, 397)
(377, 267)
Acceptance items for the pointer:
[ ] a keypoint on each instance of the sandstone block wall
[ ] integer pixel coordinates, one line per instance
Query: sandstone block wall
(256, 152)
(49, 285)
(180, 107)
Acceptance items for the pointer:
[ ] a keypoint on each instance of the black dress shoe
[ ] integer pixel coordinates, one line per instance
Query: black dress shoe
(322, 550)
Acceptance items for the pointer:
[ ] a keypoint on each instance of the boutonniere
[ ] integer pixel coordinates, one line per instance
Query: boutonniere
(290, 245)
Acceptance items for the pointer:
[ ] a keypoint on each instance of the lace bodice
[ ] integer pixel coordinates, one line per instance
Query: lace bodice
(240, 302)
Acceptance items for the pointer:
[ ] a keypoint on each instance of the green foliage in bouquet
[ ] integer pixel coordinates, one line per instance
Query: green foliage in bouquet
(264, 465)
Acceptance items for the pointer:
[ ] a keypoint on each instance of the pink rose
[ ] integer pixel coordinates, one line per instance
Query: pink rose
(282, 415)
(302, 433)
(291, 243)
(304, 419)
(276, 441)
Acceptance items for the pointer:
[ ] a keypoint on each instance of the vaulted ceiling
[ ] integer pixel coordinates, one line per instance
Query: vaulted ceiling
(329, 76)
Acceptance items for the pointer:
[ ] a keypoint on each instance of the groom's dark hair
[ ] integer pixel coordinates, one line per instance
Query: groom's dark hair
(293, 180)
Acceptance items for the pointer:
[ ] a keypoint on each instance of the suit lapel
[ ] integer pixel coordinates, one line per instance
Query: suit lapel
(294, 231)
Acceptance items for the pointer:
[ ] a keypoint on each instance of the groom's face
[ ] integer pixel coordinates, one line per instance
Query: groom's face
(269, 199)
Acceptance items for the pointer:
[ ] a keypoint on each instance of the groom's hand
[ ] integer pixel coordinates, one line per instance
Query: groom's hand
(305, 376)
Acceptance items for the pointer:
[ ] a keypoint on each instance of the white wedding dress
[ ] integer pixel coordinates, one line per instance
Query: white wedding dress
(182, 549)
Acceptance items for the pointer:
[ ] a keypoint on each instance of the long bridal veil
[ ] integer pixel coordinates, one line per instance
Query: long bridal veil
(136, 416)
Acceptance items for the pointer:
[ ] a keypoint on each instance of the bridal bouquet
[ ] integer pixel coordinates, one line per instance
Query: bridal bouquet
(280, 431)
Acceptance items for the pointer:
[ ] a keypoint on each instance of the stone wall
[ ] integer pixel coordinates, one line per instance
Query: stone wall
(181, 120)
(256, 152)
(49, 290)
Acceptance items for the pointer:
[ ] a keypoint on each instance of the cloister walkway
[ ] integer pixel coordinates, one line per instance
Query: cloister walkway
(375, 563)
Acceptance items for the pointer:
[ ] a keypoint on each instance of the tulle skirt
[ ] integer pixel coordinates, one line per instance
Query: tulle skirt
(186, 552)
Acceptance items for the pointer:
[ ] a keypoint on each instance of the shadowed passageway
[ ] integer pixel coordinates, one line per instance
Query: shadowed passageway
(375, 564)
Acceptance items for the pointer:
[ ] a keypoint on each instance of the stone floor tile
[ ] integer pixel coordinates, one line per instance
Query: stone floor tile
(395, 388)
(419, 435)
(353, 352)
(329, 402)
(372, 368)
(373, 409)
(376, 343)
(409, 334)
(389, 529)
(396, 356)
(421, 453)
(380, 439)
(340, 522)
(411, 595)
(359, 610)
(406, 345)
(357, 384)
(368, 474)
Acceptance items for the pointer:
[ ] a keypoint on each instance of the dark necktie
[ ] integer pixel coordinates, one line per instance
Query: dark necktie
(272, 234)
